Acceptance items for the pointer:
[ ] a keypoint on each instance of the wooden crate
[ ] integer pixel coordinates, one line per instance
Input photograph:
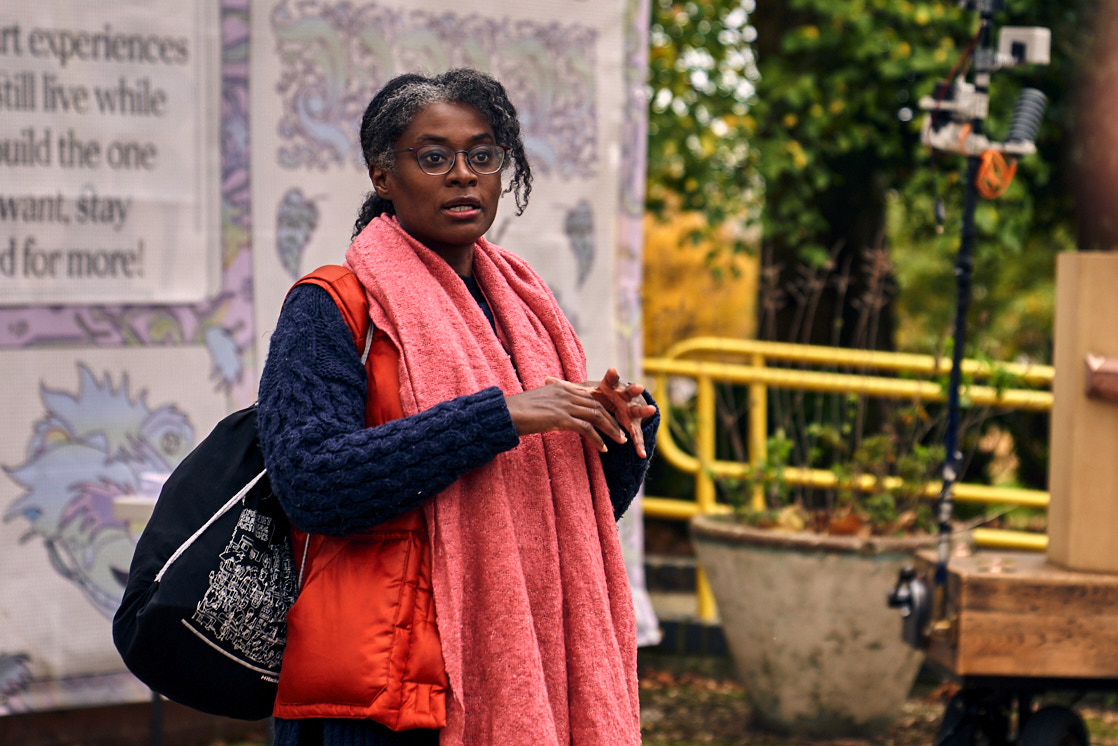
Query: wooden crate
(1017, 614)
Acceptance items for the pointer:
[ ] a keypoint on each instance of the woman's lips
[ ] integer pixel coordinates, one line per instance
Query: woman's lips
(465, 208)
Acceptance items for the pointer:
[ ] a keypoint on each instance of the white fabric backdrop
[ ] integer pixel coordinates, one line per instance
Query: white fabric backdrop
(109, 184)
(315, 65)
(101, 390)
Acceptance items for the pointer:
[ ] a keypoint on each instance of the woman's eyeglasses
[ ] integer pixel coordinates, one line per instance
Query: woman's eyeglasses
(437, 160)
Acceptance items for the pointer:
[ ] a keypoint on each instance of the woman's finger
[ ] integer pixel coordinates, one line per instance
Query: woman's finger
(625, 401)
(618, 408)
(637, 411)
(586, 429)
(561, 405)
(599, 417)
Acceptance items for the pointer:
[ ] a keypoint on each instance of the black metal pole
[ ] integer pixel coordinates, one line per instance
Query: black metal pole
(953, 457)
(964, 272)
(156, 720)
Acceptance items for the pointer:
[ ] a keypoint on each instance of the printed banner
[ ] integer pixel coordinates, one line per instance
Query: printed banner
(111, 378)
(109, 166)
(316, 65)
(80, 429)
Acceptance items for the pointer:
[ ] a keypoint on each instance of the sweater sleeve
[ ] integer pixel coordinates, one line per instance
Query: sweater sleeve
(624, 469)
(331, 473)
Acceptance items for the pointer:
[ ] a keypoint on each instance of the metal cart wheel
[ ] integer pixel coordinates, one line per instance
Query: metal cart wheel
(973, 719)
(1054, 726)
(962, 733)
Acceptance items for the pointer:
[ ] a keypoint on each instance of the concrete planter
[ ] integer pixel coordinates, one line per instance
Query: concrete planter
(806, 621)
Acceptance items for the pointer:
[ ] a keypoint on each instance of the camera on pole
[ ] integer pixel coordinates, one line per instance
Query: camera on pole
(957, 105)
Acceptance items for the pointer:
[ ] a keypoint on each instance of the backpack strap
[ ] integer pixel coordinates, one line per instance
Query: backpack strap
(348, 292)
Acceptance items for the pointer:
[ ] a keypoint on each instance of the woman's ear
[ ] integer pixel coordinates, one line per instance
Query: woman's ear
(381, 182)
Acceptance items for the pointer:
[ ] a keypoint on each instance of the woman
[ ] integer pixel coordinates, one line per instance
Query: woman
(483, 486)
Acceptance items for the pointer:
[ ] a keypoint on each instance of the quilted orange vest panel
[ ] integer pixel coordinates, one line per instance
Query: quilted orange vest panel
(362, 639)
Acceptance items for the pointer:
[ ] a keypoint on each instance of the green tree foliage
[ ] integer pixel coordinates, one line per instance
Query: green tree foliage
(701, 76)
(835, 111)
(814, 105)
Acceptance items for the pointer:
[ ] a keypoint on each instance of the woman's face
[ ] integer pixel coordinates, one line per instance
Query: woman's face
(446, 213)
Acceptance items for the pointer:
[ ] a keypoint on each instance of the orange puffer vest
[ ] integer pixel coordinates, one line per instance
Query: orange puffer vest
(362, 641)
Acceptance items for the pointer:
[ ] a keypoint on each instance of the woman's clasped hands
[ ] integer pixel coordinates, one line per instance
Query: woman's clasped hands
(590, 408)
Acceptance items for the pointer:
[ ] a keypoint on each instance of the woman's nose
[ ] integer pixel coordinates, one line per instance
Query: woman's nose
(460, 171)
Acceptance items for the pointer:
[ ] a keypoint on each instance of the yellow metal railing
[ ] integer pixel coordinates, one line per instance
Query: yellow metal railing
(751, 366)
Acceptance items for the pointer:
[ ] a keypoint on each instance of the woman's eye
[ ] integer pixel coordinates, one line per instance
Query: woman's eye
(481, 156)
(433, 158)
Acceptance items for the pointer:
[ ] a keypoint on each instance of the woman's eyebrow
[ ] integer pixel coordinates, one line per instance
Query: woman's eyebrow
(433, 138)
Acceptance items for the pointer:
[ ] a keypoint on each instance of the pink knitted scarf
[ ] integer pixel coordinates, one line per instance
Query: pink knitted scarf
(534, 608)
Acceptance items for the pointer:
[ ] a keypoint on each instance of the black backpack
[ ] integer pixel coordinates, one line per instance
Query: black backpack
(203, 618)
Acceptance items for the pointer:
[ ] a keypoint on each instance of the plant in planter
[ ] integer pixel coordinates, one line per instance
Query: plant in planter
(878, 487)
(801, 590)
(801, 579)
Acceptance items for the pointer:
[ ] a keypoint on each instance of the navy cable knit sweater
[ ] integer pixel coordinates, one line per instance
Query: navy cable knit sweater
(334, 476)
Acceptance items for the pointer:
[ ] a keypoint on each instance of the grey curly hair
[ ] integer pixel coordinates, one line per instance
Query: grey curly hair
(402, 98)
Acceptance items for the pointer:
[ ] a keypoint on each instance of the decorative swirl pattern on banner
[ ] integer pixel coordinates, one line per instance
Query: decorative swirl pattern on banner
(100, 443)
(335, 56)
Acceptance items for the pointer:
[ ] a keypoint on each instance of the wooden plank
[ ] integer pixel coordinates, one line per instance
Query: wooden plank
(1043, 645)
(1083, 472)
(1019, 615)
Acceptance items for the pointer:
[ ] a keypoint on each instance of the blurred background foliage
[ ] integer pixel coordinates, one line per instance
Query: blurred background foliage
(699, 289)
(785, 166)
(789, 131)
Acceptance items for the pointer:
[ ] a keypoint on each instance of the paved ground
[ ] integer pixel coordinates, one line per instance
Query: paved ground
(680, 708)
(684, 702)
(691, 709)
